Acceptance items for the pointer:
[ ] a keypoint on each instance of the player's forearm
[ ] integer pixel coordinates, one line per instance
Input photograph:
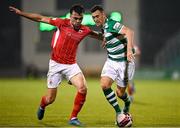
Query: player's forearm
(97, 35)
(130, 36)
(32, 16)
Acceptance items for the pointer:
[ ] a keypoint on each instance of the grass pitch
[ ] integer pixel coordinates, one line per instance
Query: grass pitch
(156, 104)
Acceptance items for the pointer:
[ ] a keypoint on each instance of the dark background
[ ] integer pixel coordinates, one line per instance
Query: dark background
(10, 36)
(159, 21)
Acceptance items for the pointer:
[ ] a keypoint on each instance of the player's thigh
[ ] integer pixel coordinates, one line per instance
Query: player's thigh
(109, 70)
(79, 82)
(54, 77)
(108, 74)
(53, 80)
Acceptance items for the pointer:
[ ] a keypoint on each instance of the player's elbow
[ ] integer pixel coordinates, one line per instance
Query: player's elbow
(39, 18)
(130, 31)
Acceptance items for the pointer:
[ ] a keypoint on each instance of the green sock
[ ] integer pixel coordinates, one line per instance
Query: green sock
(111, 97)
(125, 98)
(127, 102)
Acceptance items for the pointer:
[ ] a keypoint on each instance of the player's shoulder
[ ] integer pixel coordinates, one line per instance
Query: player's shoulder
(112, 22)
(66, 20)
(56, 19)
(60, 19)
(109, 24)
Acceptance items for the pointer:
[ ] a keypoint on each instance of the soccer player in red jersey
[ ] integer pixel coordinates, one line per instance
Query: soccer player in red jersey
(64, 46)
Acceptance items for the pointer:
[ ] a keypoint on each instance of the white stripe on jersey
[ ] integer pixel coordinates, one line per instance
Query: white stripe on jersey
(117, 56)
(107, 34)
(112, 41)
(56, 37)
(121, 46)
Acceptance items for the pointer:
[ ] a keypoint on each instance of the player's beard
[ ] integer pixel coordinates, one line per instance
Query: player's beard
(76, 27)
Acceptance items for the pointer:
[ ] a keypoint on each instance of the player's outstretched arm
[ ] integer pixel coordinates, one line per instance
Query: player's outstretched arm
(96, 35)
(99, 36)
(130, 42)
(31, 16)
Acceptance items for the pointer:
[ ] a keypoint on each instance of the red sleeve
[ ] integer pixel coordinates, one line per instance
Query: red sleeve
(56, 21)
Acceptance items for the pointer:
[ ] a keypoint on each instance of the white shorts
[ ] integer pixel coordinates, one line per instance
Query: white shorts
(121, 72)
(58, 70)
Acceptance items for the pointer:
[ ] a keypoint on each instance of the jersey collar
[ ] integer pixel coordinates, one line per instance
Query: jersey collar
(105, 23)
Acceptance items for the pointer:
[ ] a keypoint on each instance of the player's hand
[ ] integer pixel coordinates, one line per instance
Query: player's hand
(15, 10)
(130, 55)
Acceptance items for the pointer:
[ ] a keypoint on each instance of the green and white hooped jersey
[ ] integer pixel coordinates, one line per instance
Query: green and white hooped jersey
(116, 48)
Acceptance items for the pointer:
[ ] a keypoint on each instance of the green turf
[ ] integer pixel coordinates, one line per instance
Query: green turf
(156, 104)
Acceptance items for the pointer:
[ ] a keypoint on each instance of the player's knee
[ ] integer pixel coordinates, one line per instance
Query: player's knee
(105, 83)
(82, 89)
(120, 93)
(104, 87)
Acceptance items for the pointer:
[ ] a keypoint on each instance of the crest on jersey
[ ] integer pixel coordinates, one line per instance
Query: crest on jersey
(80, 31)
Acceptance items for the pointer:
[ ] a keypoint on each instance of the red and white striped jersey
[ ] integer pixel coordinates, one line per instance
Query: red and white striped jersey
(65, 40)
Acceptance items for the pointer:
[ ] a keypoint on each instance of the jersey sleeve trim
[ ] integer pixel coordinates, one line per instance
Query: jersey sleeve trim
(121, 29)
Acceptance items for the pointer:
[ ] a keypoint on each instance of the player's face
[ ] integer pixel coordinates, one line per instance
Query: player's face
(76, 19)
(98, 17)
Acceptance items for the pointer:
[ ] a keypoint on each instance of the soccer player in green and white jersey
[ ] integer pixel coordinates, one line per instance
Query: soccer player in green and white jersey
(119, 66)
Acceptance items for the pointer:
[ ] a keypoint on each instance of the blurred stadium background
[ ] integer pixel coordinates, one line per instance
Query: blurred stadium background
(25, 49)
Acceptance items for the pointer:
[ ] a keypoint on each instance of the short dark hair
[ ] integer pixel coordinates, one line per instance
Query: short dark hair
(77, 8)
(96, 7)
